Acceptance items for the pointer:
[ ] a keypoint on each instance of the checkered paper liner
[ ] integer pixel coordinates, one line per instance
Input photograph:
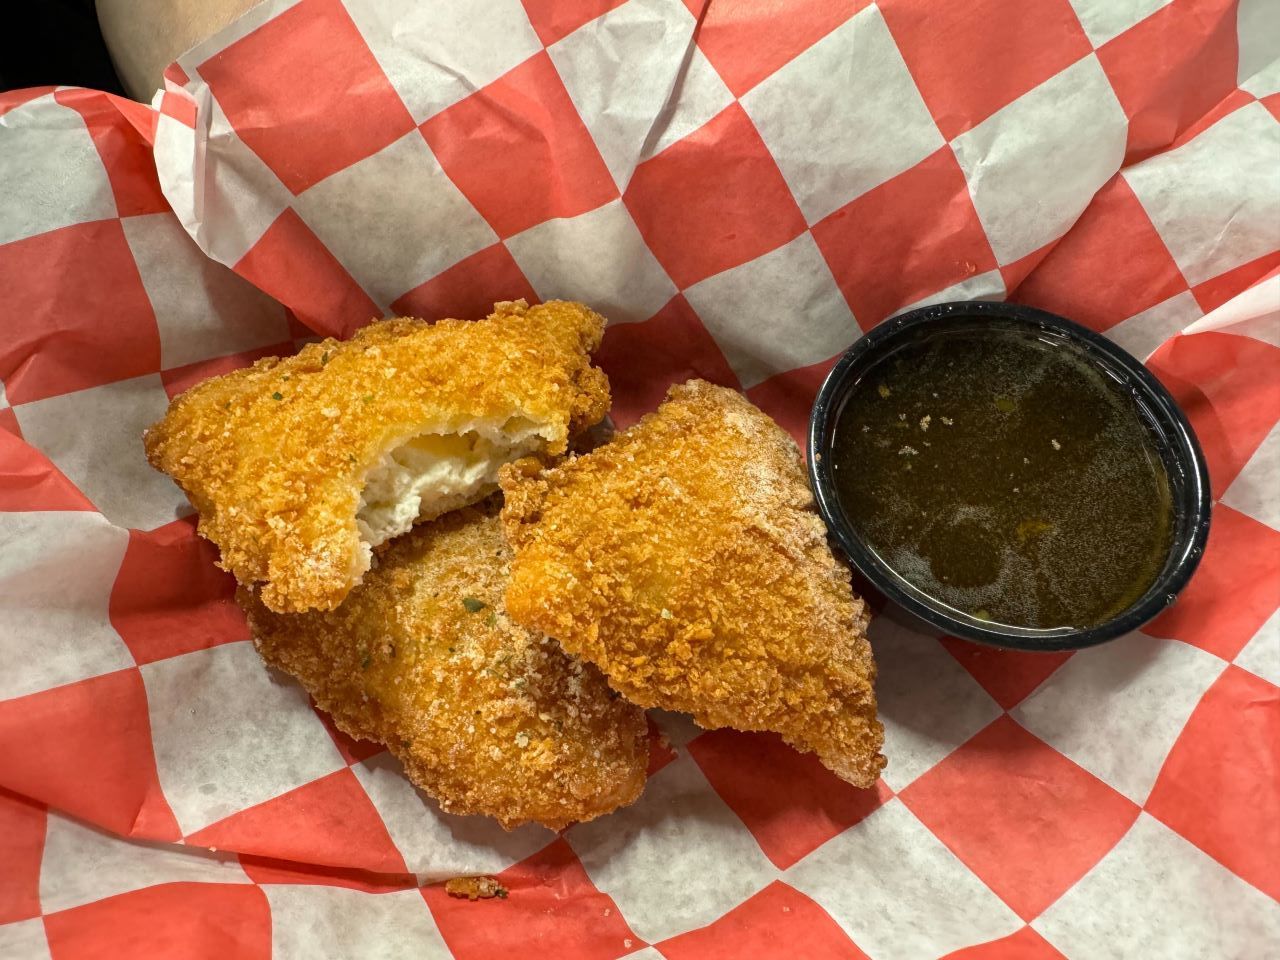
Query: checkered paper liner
(743, 190)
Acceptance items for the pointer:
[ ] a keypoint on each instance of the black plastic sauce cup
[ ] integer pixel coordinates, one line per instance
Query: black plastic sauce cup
(1171, 435)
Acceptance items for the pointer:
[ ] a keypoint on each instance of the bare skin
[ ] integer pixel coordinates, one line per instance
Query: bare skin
(145, 36)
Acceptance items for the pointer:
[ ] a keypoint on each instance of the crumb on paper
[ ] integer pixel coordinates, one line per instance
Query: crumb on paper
(475, 888)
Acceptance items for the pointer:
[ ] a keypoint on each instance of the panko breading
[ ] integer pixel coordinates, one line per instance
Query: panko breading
(685, 559)
(299, 466)
(487, 717)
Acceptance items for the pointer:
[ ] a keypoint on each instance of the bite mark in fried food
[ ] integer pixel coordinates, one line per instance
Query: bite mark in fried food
(486, 716)
(300, 466)
(685, 560)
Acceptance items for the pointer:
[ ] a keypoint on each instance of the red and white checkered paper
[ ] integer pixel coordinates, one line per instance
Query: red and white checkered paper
(743, 189)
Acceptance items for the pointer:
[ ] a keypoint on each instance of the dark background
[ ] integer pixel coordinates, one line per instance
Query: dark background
(54, 42)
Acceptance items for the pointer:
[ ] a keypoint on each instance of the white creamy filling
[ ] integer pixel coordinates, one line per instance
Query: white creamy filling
(434, 473)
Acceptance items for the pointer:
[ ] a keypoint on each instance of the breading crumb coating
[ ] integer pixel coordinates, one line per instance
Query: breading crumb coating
(685, 559)
(276, 457)
(487, 717)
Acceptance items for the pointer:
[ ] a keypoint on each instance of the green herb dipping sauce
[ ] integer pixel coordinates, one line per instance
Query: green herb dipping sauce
(1006, 475)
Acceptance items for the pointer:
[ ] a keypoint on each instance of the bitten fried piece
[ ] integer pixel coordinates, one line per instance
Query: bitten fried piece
(487, 717)
(685, 559)
(300, 466)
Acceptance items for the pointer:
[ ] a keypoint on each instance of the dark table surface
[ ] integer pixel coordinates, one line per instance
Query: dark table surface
(54, 42)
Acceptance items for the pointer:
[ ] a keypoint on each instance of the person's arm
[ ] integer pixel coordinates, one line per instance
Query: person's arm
(145, 36)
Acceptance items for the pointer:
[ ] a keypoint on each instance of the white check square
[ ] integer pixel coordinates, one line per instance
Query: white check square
(1117, 709)
(597, 257)
(1158, 895)
(82, 864)
(682, 832)
(1261, 655)
(438, 845)
(94, 436)
(981, 286)
(626, 73)
(775, 313)
(56, 574)
(844, 116)
(435, 54)
(394, 219)
(314, 922)
(1254, 490)
(1215, 201)
(239, 197)
(1034, 165)
(929, 704)
(203, 310)
(229, 735)
(25, 940)
(898, 892)
(1143, 333)
(51, 172)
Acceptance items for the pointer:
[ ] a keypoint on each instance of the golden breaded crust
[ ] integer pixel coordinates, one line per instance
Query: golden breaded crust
(685, 559)
(274, 456)
(487, 717)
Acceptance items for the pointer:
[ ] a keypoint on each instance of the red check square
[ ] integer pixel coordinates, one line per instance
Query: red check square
(643, 359)
(1114, 238)
(22, 829)
(1026, 944)
(54, 342)
(1241, 561)
(170, 598)
(95, 731)
(28, 479)
(1021, 798)
(291, 264)
(327, 821)
(905, 239)
(789, 801)
(1218, 786)
(306, 94)
(778, 923)
(518, 150)
(551, 902)
(468, 289)
(746, 40)
(198, 921)
(713, 200)
(947, 48)
(1213, 293)
(1171, 69)
(1229, 387)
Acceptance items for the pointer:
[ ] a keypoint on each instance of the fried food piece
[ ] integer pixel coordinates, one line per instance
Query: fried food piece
(685, 560)
(486, 716)
(475, 888)
(300, 466)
